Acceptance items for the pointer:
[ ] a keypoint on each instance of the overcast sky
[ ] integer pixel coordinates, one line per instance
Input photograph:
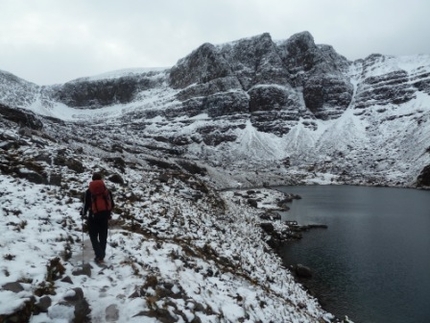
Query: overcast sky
(55, 41)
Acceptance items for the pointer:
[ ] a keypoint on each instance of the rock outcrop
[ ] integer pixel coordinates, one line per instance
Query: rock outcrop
(93, 94)
(263, 79)
(22, 117)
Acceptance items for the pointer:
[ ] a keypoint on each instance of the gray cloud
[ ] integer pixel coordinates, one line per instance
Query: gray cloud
(51, 41)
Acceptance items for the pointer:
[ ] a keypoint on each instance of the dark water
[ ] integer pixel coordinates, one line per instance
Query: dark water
(373, 261)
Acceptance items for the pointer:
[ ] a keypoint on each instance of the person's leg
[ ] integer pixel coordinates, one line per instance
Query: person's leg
(94, 231)
(103, 233)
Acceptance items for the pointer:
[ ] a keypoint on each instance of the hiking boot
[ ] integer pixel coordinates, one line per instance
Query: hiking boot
(99, 261)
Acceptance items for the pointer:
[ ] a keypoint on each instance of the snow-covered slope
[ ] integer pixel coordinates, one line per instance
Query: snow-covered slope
(286, 109)
(178, 251)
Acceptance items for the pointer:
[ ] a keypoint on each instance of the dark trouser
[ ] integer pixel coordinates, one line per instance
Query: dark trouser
(98, 230)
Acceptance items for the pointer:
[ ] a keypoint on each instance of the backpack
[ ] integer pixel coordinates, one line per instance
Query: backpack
(100, 197)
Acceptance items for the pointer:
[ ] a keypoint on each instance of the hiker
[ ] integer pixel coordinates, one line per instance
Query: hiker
(98, 202)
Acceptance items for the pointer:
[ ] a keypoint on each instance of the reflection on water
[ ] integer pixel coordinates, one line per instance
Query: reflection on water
(373, 261)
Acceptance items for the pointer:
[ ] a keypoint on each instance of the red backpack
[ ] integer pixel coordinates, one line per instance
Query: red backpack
(100, 197)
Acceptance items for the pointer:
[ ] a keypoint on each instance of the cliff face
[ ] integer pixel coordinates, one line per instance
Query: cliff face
(86, 93)
(291, 102)
(274, 80)
(397, 86)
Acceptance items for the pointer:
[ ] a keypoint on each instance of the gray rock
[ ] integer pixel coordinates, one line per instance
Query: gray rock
(82, 270)
(79, 303)
(68, 280)
(13, 287)
(201, 66)
(423, 179)
(267, 227)
(112, 313)
(55, 179)
(116, 178)
(253, 203)
(70, 163)
(43, 304)
(25, 132)
(21, 314)
(77, 296)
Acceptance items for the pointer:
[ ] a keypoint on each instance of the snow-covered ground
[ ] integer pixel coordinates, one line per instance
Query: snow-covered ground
(178, 249)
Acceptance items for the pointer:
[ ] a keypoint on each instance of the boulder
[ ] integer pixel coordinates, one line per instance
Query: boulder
(55, 179)
(253, 203)
(423, 179)
(269, 215)
(112, 313)
(303, 271)
(76, 300)
(43, 304)
(116, 178)
(267, 227)
(83, 270)
(22, 314)
(118, 162)
(13, 287)
(70, 163)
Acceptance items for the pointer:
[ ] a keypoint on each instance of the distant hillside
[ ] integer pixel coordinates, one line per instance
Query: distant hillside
(293, 111)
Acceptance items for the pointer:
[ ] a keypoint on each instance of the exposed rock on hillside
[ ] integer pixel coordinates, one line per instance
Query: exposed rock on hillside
(251, 104)
(201, 66)
(23, 118)
(93, 94)
(423, 180)
(254, 66)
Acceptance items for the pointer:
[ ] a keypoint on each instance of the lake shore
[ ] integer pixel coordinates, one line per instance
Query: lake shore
(272, 202)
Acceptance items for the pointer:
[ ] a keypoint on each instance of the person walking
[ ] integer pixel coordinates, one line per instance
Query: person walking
(98, 203)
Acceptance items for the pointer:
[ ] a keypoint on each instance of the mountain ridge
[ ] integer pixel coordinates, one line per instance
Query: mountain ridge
(291, 89)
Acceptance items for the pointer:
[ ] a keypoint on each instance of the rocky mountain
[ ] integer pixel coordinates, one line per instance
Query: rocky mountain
(246, 113)
(293, 111)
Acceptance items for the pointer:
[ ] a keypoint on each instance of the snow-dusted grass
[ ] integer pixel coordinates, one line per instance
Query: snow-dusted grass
(168, 251)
